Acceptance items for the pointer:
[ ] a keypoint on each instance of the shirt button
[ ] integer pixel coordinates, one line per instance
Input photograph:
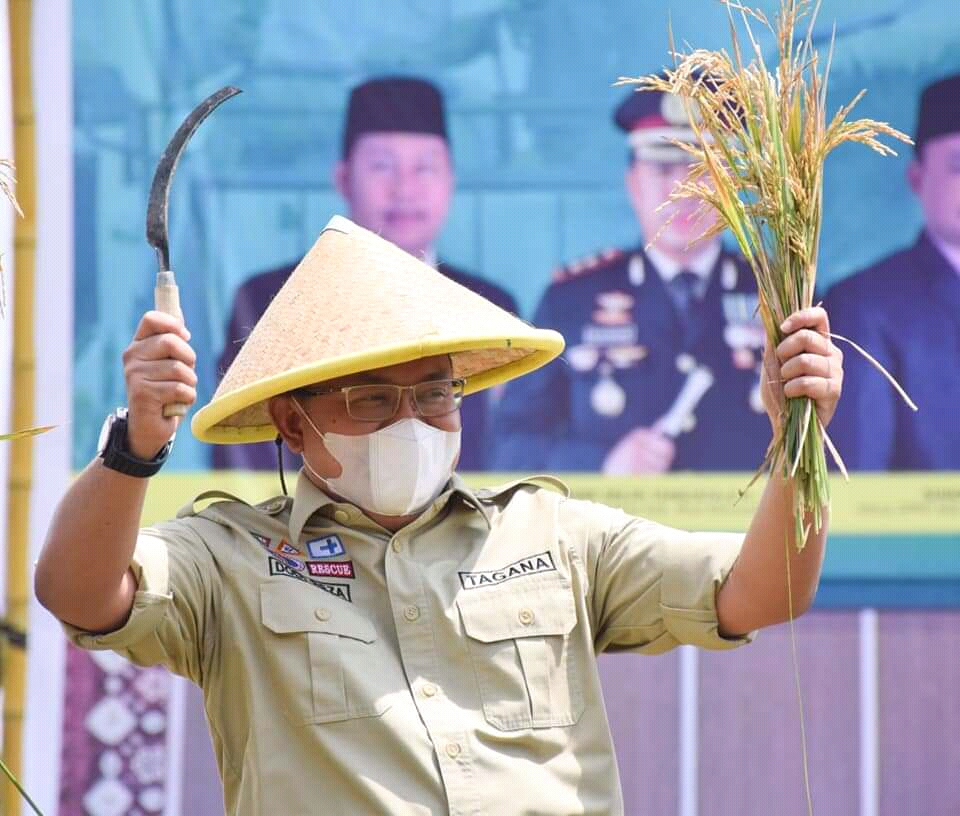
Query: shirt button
(526, 616)
(342, 516)
(453, 750)
(396, 545)
(322, 614)
(429, 690)
(411, 613)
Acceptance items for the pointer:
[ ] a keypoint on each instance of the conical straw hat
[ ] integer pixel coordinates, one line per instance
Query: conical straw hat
(357, 302)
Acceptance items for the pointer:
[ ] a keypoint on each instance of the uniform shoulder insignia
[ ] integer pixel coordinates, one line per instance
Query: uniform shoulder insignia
(204, 500)
(492, 494)
(273, 506)
(586, 265)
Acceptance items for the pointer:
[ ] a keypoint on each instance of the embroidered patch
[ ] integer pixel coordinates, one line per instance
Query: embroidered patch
(341, 591)
(330, 569)
(278, 567)
(284, 547)
(326, 547)
(541, 562)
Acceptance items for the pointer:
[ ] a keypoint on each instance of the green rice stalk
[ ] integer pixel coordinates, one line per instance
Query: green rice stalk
(762, 139)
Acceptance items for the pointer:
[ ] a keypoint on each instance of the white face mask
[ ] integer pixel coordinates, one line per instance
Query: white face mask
(396, 471)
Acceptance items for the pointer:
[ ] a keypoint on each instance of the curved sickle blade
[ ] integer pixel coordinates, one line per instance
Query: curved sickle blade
(160, 189)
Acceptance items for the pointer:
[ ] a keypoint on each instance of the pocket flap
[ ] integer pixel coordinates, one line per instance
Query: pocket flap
(506, 613)
(287, 606)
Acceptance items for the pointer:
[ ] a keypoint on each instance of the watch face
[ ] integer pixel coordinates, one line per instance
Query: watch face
(120, 413)
(105, 434)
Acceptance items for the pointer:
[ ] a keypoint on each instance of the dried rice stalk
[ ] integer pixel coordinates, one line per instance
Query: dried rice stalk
(762, 140)
(7, 182)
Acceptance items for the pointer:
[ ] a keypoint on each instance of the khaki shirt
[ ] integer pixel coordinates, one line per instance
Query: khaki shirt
(447, 668)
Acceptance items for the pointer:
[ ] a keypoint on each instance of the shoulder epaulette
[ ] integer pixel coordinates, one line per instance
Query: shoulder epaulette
(586, 265)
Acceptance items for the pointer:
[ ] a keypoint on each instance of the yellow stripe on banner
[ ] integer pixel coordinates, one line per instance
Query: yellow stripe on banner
(925, 503)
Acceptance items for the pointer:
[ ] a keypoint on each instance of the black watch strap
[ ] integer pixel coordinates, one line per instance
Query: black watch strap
(116, 456)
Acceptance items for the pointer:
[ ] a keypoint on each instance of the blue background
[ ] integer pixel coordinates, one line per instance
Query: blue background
(528, 89)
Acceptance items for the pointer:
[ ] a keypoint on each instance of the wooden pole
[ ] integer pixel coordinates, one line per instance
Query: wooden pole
(21, 393)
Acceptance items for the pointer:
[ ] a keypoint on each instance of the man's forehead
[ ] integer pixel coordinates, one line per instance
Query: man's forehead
(400, 141)
(409, 373)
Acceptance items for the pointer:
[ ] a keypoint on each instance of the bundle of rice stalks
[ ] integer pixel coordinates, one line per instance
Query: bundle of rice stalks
(763, 137)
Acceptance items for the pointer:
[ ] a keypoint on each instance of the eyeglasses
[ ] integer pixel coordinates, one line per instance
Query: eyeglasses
(376, 403)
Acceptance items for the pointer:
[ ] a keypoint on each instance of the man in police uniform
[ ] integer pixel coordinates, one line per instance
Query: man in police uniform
(664, 347)
(389, 641)
(905, 311)
(396, 175)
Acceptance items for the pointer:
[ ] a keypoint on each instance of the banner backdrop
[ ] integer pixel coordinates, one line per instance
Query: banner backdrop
(540, 194)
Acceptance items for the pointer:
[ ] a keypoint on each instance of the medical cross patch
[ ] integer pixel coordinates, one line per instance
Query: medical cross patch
(541, 562)
(326, 547)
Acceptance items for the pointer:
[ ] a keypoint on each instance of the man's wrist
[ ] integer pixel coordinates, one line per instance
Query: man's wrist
(116, 453)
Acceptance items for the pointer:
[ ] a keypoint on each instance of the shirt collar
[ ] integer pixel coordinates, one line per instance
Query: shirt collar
(702, 265)
(430, 257)
(308, 499)
(950, 252)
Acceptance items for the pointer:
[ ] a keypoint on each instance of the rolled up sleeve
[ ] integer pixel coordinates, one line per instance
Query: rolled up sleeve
(655, 587)
(175, 599)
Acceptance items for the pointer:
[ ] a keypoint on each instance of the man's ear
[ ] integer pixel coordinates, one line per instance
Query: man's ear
(287, 421)
(341, 172)
(914, 175)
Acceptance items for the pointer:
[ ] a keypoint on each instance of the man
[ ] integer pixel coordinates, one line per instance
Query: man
(396, 175)
(663, 345)
(387, 640)
(905, 311)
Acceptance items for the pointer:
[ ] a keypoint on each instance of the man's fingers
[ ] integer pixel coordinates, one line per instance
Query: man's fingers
(154, 322)
(166, 346)
(813, 317)
(803, 340)
(817, 388)
(165, 370)
(807, 365)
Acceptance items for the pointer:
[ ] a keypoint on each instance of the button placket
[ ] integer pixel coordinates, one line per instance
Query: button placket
(411, 601)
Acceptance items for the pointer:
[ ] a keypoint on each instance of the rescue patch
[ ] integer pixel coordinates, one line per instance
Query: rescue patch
(341, 591)
(541, 562)
(326, 547)
(330, 569)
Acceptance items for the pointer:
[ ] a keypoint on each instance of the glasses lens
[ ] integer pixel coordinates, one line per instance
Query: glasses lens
(373, 403)
(438, 397)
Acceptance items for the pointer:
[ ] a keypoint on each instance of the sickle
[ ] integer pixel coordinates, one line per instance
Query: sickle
(166, 294)
(163, 176)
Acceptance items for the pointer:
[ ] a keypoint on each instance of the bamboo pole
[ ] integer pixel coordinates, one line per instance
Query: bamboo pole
(21, 392)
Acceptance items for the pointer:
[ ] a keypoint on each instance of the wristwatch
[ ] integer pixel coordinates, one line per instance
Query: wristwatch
(112, 449)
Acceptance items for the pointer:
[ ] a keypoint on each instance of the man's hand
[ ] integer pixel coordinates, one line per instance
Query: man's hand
(805, 364)
(643, 450)
(158, 367)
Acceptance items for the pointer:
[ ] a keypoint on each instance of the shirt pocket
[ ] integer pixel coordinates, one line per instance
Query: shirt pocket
(523, 654)
(315, 637)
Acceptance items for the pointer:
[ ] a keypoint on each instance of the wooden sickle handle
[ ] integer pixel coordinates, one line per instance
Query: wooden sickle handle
(166, 298)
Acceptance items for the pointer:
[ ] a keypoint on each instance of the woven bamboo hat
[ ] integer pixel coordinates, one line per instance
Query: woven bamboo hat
(357, 302)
